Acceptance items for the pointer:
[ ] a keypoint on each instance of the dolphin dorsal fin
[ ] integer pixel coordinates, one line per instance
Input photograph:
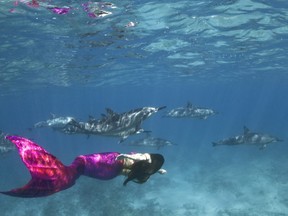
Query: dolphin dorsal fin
(91, 119)
(109, 111)
(246, 130)
(189, 104)
(53, 115)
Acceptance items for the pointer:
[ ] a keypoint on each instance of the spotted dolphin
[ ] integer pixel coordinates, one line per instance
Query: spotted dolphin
(190, 111)
(5, 145)
(56, 123)
(150, 141)
(249, 137)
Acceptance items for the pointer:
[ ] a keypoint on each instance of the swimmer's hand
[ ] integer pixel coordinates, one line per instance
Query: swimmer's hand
(162, 171)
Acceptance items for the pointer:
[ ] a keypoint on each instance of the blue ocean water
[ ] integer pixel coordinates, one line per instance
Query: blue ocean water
(226, 55)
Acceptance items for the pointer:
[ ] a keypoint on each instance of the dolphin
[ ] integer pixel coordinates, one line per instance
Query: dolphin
(5, 145)
(101, 129)
(57, 123)
(150, 141)
(249, 137)
(190, 111)
(114, 124)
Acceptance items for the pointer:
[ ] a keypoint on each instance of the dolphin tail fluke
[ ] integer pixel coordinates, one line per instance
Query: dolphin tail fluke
(122, 139)
(160, 108)
(147, 132)
(48, 174)
(279, 140)
(215, 144)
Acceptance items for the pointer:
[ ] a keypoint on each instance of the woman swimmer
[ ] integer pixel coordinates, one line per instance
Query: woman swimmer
(49, 175)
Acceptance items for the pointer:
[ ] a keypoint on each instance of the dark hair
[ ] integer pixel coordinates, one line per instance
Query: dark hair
(142, 170)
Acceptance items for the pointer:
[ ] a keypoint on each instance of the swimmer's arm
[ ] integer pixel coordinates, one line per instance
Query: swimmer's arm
(135, 157)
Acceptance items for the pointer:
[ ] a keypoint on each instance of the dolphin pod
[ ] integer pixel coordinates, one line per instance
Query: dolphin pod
(110, 124)
(122, 125)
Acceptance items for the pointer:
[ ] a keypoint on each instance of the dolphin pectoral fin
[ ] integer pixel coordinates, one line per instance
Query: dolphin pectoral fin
(139, 130)
(263, 147)
(122, 139)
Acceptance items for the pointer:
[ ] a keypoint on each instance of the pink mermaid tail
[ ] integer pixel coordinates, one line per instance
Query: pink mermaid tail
(49, 175)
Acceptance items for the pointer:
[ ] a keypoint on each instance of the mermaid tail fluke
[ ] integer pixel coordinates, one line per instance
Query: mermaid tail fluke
(48, 174)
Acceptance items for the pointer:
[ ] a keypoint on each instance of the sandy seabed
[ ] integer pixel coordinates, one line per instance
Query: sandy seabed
(254, 188)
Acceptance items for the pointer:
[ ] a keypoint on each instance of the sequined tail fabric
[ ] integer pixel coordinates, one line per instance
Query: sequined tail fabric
(49, 175)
